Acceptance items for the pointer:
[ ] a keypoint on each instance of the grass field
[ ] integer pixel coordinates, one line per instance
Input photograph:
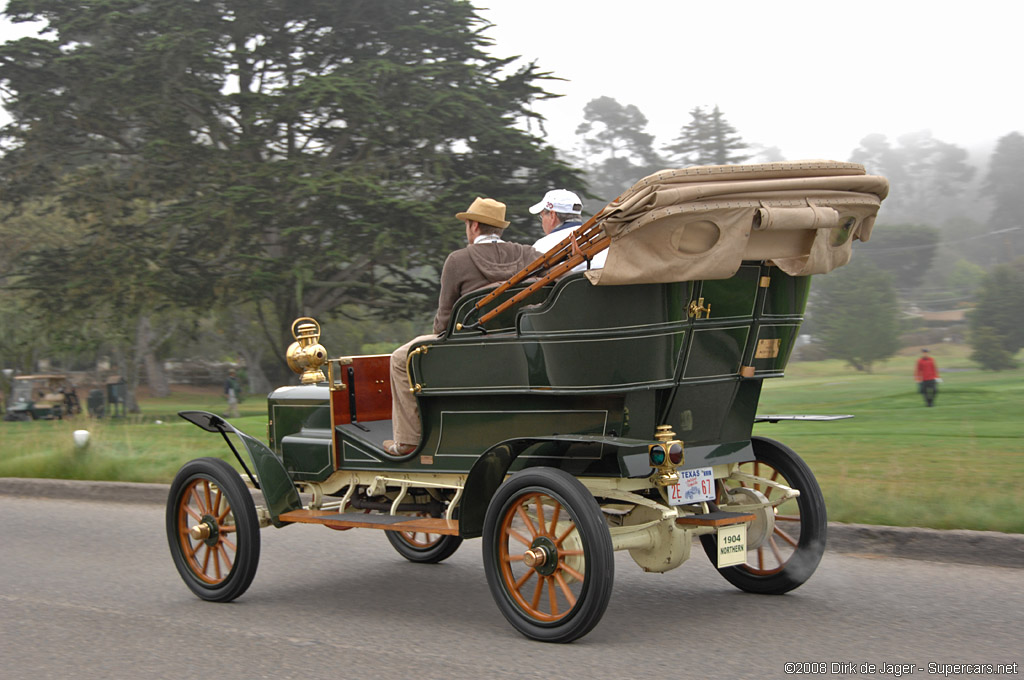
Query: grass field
(957, 465)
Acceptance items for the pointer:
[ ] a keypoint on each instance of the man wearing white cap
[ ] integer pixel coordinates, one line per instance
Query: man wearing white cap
(560, 214)
(485, 261)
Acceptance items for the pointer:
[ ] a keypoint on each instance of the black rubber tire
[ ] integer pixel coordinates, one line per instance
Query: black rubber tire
(812, 522)
(236, 540)
(430, 551)
(591, 548)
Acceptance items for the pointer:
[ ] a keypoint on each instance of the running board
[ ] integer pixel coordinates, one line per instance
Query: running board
(358, 520)
(719, 518)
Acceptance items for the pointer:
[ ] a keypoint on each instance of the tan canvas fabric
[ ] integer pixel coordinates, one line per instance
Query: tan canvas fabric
(702, 222)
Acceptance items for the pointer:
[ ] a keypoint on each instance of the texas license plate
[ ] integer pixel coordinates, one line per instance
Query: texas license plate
(694, 486)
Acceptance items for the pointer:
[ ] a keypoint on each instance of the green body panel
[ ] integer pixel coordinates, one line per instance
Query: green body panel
(573, 378)
(300, 431)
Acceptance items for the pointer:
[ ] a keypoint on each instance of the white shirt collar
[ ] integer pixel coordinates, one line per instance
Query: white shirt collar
(487, 238)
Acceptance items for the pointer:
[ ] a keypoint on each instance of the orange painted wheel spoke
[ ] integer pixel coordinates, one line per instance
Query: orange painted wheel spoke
(206, 559)
(786, 537)
(552, 596)
(525, 577)
(538, 591)
(192, 513)
(521, 511)
(565, 590)
(565, 534)
(519, 537)
(199, 500)
(540, 515)
(760, 558)
(228, 543)
(215, 507)
(227, 528)
(572, 572)
(555, 516)
(787, 518)
(206, 495)
(512, 558)
(186, 545)
(775, 551)
(562, 553)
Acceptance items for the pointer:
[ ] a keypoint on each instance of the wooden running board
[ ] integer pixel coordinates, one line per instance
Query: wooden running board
(720, 518)
(356, 520)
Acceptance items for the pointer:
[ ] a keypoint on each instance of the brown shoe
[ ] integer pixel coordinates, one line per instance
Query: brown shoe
(396, 449)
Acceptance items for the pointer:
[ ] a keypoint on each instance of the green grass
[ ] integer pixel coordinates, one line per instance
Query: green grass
(954, 466)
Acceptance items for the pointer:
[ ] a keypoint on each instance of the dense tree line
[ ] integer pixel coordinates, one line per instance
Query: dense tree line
(284, 158)
(196, 175)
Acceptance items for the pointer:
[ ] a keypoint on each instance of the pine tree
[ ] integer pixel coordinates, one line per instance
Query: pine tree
(708, 139)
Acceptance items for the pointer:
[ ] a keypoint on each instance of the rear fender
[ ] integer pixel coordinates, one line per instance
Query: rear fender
(279, 493)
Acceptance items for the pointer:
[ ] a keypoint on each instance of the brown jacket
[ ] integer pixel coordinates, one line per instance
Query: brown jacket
(477, 266)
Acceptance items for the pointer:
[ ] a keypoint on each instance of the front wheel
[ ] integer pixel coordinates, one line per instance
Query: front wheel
(212, 529)
(795, 540)
(548, 555)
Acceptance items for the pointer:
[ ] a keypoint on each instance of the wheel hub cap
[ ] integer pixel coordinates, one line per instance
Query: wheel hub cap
(542, 556)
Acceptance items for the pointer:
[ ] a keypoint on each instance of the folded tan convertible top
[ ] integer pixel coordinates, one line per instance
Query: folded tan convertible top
(702, 222)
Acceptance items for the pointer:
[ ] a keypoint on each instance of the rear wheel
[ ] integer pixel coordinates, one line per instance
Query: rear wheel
(213, 530)
(548, 555)
(794, 538)
(422, 546)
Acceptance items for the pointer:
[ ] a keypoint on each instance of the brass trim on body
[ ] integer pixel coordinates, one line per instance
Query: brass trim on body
(767, 348)
(747, 372)
(422, 349)
(697, 308)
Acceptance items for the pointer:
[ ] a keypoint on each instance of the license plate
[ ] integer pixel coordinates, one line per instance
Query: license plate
(732, 545)
(694, 486)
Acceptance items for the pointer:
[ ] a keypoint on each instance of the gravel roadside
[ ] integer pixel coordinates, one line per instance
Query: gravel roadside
(989, 548)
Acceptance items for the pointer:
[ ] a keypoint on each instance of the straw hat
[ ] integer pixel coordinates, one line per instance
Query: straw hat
(486, 211)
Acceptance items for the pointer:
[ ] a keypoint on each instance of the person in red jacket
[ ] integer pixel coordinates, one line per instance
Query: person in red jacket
(927, 375)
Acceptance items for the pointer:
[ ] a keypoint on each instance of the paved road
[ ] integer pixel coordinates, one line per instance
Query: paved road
(89, 591)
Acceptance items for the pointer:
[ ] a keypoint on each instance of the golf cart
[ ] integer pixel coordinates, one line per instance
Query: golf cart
(42, 397)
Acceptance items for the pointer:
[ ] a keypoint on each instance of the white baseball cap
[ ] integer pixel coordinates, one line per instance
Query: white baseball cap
(559, 201)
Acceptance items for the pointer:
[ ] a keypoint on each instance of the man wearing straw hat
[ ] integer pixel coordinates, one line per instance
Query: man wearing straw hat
(561, 214)
(486, 260)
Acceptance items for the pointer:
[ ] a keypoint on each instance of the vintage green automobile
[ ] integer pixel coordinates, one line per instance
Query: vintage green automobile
(567, 415)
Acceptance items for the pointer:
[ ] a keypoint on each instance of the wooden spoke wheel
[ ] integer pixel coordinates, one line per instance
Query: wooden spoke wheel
(548, 555)
(794, 536)
(423, 547)
(213, 530)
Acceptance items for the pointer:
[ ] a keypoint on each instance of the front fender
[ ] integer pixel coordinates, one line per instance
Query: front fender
(279, 493)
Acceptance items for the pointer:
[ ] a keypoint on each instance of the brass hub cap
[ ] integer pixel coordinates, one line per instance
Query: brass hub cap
(542, 556)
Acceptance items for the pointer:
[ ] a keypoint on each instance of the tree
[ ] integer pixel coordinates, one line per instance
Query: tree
(708, 139)
(903, 251)
(298, 156)
(617, 152)
(997, 321)
(1003, 183)
(854, 315)
(929, 178)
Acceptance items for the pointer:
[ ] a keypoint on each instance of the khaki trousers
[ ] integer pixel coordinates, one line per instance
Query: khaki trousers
(405, 413)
